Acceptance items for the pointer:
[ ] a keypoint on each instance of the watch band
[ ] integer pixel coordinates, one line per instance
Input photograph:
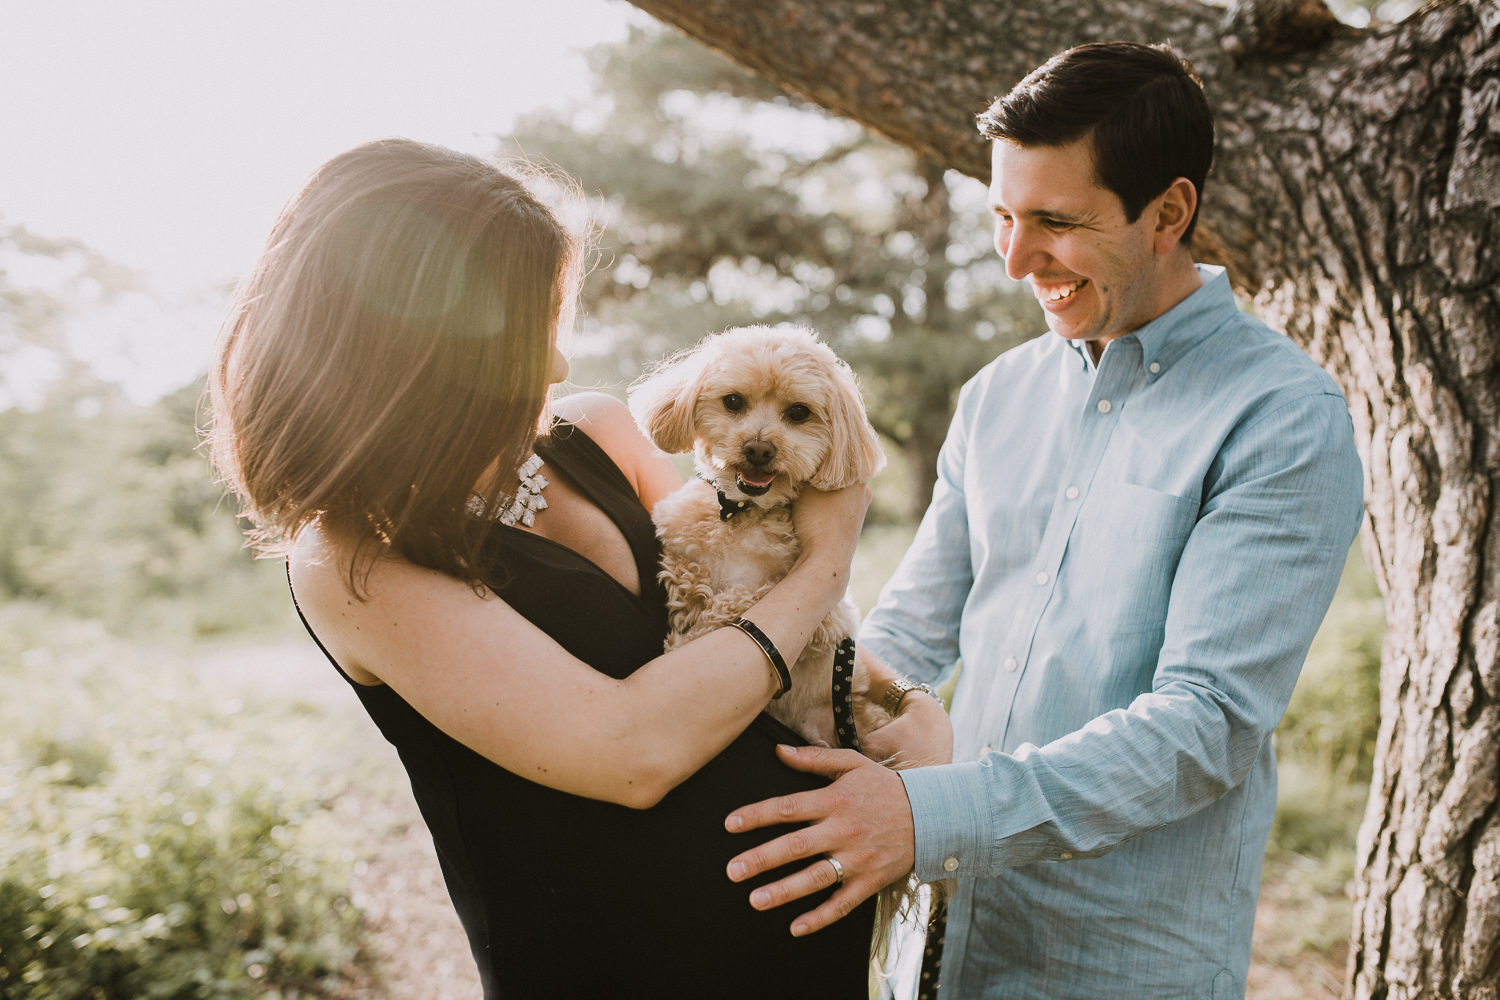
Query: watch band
(899, 689)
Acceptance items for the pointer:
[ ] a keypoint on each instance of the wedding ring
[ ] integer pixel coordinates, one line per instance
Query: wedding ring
(838, 869)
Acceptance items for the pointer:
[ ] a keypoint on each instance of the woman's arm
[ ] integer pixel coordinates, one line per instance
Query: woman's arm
(479, 671)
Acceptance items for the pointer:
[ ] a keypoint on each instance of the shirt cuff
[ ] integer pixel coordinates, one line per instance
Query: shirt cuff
(951, 821)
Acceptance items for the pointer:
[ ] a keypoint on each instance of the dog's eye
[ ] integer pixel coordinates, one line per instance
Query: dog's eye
(798, 412)
(734, 402)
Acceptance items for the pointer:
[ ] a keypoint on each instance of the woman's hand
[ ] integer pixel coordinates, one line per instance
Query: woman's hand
(828, 523)
(921, 734)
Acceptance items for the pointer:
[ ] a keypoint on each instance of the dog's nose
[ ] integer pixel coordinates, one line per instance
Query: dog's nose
(760, 452)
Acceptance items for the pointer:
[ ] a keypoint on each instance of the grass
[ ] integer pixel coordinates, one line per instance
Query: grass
(167, 835)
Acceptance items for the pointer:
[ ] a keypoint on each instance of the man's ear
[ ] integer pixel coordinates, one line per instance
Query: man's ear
(1174, 210)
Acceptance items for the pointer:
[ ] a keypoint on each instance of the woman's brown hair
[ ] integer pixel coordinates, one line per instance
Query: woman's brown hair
(392, 345)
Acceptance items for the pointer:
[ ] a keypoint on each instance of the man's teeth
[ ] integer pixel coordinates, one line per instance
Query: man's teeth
(1059, 292)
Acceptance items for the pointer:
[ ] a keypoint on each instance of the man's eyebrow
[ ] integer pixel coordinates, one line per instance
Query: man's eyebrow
(1043, 213)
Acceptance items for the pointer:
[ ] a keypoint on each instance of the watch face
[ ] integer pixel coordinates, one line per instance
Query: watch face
(896, 692)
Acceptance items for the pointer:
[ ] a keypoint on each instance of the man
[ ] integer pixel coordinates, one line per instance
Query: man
(1137, 527)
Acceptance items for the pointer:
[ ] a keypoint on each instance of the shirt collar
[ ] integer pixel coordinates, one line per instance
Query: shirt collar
(1176, 331)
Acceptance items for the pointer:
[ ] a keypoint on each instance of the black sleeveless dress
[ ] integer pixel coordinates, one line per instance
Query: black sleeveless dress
(569, 897)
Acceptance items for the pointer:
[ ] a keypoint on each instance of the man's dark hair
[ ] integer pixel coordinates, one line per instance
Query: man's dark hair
(1142, 106)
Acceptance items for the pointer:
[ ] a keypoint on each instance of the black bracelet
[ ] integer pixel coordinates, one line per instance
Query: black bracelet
(768, 647)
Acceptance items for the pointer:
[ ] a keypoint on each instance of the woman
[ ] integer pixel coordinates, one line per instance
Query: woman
(376, 393)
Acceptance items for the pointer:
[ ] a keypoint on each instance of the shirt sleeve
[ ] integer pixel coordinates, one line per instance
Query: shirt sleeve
(1282, 504)
(914, 626)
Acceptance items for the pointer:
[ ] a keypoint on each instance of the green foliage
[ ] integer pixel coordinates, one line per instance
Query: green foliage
(108, 510)
(1326, 740)
(1331, 723)
(159, 841)
(880, 550)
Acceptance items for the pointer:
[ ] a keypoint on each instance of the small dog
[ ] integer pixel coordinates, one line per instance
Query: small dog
(765, 411)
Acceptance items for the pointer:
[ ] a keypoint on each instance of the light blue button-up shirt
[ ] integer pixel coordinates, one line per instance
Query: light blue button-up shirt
(1130, 559)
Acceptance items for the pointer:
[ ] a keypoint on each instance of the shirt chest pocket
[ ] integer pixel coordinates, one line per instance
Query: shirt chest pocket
(1123, 554)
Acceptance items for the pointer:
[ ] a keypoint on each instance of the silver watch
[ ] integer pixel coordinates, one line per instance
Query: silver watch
(898, 690)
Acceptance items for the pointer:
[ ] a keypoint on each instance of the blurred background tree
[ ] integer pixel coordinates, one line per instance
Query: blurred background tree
(722, 201)
(158, 837)
(107, 508)
(44, 282)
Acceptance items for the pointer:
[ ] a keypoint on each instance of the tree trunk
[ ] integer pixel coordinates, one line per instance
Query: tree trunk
(1356, 201)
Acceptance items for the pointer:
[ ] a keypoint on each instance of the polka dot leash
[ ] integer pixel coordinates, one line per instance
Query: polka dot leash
(932, 952)
(843, 695)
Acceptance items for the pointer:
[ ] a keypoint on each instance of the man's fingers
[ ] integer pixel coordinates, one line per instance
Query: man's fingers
(816, 877)
(863, 819)
(828, 762)
(789, 847)
(801, 807)
(834, 908)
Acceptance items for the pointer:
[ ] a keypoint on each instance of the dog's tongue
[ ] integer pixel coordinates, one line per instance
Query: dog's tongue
(756, 478)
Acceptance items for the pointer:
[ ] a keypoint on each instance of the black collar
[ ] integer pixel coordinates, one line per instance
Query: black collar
(727, 507)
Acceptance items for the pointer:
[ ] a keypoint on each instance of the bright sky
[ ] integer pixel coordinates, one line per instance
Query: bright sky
(167, 133)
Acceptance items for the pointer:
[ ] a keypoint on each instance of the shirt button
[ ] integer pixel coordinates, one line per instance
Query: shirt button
(1072, 493)
(1155, 367)
(950, 865)
(1010, 663)
(1041, 579)
(1104, 406)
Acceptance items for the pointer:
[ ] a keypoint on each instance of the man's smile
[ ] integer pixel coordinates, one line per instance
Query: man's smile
(1048, 292)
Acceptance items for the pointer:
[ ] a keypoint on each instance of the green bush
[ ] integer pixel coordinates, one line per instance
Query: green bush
(1326, 740)
(160, 841)
(1331, 722)
(108, 510)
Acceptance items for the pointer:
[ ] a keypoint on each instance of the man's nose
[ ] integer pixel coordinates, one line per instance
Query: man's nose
(1020, 249)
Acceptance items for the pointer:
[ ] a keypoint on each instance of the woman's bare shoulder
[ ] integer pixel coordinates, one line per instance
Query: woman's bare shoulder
(345, 609)
(316, 567)
(608, 421)
(603, 417)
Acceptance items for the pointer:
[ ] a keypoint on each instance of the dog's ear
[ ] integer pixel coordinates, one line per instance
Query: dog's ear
(854, 452)
(664, 400)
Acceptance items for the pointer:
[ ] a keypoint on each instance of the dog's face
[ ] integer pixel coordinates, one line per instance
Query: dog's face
(764, 411)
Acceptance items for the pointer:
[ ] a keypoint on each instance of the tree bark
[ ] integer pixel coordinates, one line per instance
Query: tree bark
(1356, 202)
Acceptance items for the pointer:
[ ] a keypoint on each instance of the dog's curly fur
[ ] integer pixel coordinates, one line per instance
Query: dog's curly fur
(733, 400)
(765, 411)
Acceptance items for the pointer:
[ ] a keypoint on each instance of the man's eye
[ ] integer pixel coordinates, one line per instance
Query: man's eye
(798, 412)
(734, 402)
(1057, 225)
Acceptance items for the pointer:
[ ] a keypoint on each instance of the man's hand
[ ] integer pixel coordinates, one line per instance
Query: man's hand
(863, 820)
